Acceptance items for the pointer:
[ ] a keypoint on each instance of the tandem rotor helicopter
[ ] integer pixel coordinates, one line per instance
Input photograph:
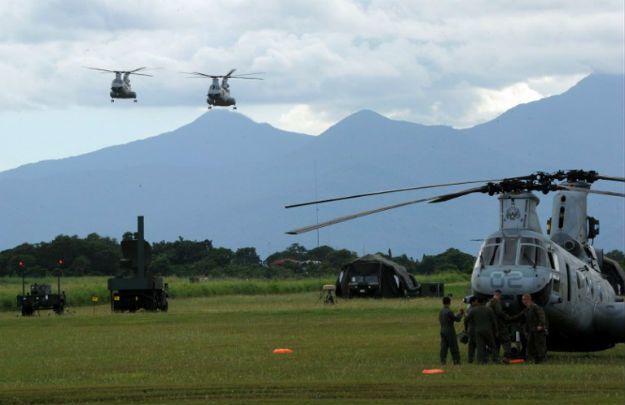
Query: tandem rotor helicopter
(219, 94)
(579, 288)
(120, 86)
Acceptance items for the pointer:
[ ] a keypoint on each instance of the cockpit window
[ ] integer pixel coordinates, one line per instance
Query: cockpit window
(509, 251)
(491, 252)
(533, 255)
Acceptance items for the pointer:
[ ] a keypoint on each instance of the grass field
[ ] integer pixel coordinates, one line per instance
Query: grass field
(79, 290)
(219, 349)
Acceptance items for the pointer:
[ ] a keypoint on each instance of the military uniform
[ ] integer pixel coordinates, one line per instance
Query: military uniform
(503, 336)
(449, 341)
(536, 339)
(471, 334)
(484, 324)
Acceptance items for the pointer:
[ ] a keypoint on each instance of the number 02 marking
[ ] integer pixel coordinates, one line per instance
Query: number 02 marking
(499, 280)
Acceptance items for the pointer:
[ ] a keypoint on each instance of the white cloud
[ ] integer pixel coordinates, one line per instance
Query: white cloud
(455, 62)
(302, 118)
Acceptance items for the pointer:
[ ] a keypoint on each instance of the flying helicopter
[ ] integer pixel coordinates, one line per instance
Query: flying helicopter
(579, 288)
(219, 94)
(120, 86)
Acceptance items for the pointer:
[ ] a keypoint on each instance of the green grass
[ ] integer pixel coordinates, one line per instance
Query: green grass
(79, 290)
(219, 349)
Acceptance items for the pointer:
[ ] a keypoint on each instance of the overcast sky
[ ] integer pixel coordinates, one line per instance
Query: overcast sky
(456, 63)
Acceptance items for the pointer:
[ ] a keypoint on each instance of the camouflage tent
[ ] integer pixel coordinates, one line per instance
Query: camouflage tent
(375, 276)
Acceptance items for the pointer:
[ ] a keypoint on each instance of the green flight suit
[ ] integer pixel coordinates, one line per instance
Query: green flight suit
(449, 341)
(536, 339)
(482, 320)
(471, 334)
(503, 336)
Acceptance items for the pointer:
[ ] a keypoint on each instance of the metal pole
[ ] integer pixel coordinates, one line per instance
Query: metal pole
(140, 257)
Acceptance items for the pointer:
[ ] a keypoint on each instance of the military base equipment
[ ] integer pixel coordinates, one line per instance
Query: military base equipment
(120, 86)
(580, 290)
(432, 290)
(40, 297)
(143, 290)
(328, 294)
(375, 276)
(219, 94)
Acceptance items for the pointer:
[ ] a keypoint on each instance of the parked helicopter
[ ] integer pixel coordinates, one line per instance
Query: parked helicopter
(219, 94)
(120, 86)
(579, 288)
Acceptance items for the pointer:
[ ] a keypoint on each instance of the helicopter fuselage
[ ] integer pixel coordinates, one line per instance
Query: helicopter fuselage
(583, 310)
(219, 95)
(120, 88)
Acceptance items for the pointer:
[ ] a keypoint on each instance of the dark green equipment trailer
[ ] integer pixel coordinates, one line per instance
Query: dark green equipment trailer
(143, 290)
(41, 297)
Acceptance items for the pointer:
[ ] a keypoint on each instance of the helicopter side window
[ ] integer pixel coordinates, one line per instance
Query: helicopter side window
(533, 255)
(509, 250)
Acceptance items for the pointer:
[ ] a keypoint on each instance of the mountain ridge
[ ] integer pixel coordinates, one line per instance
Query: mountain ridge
(226, 178)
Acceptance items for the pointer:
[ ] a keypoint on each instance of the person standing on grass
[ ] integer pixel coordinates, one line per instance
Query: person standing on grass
(502, 339)
(469, 331)
(535, 329)
(484, 325)
(449, 341)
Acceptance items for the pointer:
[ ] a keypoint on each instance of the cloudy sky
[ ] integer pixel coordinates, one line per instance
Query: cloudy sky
(456, 63)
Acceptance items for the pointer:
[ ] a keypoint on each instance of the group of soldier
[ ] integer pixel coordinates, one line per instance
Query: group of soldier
(486, 327)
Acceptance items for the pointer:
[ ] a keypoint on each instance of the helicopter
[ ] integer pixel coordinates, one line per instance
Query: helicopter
(219, 94)
(580, 289)
(120, 86)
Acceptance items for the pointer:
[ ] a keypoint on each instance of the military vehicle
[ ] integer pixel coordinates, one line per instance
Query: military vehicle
(120, 86)
(142, 290)
(41, 297)
(579, 288)
(219, 94)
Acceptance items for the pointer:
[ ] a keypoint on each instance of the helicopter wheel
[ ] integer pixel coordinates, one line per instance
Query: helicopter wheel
(234, 108)
(135, 100)
(112, 101)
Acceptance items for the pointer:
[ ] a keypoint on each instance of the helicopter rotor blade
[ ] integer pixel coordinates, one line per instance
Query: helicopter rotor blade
(140, 74)
(610, 178)
(354, 216)
(199, 74)
(249, 74)
(591, 191)
(396, 190)
(136, 70)
(102, 70)
(451, 196)
(247, 78)
(227, 75)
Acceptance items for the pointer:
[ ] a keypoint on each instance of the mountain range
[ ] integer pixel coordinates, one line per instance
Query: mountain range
(227, 178)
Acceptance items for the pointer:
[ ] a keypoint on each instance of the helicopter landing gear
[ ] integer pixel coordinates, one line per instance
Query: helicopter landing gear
(135, 100)
(112, 101)
(234, 108)
(210, 107)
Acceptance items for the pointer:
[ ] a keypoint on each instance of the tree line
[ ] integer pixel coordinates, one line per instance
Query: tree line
(95, 255)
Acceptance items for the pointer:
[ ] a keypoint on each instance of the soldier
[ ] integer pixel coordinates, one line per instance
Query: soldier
(469, 331)
(503, 337)
(483, 323)
(535, 329)
(449, 341)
